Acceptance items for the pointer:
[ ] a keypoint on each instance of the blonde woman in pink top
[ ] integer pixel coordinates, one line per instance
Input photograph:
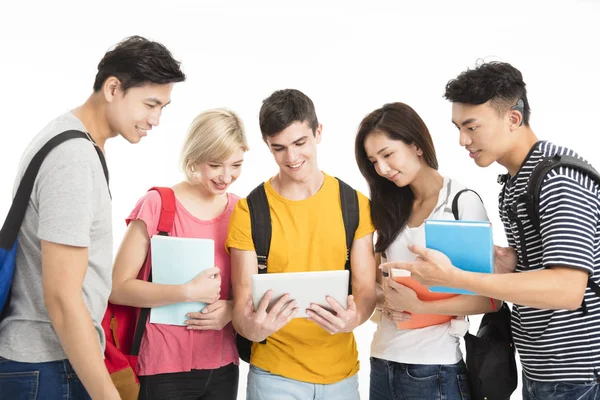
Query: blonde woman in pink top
(200, 360)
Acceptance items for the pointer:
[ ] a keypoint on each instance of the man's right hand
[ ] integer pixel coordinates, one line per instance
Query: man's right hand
(260, 324)
(205, 287)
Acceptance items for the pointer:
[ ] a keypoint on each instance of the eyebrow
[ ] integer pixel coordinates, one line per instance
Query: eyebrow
(380, 151)
(294, 142)
(466, 122)
(221, 162)
(156, 101)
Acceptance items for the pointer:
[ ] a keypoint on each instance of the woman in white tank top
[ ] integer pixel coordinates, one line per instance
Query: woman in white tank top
(415, 352)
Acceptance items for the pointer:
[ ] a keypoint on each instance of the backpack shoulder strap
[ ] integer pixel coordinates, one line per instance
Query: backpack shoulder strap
(260, 220)
(351, 216)
(167, 210)
(165, 225)
(534, 185)
(455, 202)
(15, 216)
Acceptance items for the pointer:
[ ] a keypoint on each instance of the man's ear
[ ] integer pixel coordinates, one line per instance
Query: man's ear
(110, 88)
(318, 132)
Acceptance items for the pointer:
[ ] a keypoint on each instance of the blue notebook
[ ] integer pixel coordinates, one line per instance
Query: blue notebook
(468, 244)
(176, 261)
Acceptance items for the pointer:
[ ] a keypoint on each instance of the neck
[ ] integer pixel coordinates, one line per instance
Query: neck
(515, 156)
(298, 190)
(427, 184)
(92, 114)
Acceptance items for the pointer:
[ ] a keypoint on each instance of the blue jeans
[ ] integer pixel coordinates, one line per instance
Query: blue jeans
(263, 385)
(536, 390)
(395, 381)
(53, 380)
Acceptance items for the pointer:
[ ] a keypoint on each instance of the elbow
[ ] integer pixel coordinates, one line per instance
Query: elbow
(573, 303)
(117, 294)
(59, 304)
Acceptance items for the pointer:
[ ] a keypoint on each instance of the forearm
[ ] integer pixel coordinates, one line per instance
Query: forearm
(142, 294)
(79, 339)
(458, 305)
(543, 289)
(365, 304)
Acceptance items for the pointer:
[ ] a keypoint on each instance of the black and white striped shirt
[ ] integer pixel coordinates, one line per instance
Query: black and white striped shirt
(556, 345)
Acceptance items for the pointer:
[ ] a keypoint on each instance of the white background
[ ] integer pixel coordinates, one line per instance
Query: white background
(349, 57)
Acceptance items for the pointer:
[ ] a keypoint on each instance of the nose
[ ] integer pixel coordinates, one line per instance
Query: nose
(464, 139)
(227, 176)
(382, 168)
(154, 117)
(292, 155)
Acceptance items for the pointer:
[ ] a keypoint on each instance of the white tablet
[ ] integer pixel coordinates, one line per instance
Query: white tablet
(304, 287)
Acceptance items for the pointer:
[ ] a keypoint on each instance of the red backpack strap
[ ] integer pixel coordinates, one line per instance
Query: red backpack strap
(165, 225)
(167, 210)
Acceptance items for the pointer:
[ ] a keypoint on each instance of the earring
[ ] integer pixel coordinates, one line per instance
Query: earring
(193, 172)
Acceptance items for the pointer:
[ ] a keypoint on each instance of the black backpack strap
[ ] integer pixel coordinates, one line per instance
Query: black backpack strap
(534, 185)
(260, 220)
(455, 202)
(14, 219)
(351, 216)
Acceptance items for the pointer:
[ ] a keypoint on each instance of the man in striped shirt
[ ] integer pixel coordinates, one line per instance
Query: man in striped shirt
(556, 317)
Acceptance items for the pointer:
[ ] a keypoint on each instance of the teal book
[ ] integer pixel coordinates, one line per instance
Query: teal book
(175, 261)
(468, 244)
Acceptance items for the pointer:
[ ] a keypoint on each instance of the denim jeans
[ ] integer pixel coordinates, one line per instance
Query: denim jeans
(263, 385)
(536, 390)
(198, 384)
(395, 381)
(53, 380)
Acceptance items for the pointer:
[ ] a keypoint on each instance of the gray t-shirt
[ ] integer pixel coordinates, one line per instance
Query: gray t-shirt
(70, 204)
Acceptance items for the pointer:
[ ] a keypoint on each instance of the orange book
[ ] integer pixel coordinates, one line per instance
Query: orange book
(423, 293)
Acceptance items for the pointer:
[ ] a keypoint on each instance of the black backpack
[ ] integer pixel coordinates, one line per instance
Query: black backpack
(531, 198)
(490, 358)
(260, 218)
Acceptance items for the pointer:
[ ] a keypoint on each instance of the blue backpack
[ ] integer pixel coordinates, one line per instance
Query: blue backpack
(14, 219)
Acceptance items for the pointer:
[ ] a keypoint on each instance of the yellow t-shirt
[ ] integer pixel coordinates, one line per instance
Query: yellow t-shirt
(307, 235)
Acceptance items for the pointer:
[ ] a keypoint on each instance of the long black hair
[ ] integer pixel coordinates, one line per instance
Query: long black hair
(391, 205)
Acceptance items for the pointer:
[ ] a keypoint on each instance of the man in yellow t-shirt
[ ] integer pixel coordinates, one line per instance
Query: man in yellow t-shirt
(313, 357)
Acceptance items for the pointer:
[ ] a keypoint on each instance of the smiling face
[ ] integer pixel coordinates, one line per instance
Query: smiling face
(217, 176)
(393, 159)
(295, 150)
(486, 134)
(133, 113)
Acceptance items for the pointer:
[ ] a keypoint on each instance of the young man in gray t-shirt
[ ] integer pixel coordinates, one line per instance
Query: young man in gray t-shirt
(51, 339)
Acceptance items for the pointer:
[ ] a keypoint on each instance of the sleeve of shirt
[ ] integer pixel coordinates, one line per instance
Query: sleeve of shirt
(471, 208)
(66, 203)
(147, 210)
(239, 234)
(365, 225)
(568, 220)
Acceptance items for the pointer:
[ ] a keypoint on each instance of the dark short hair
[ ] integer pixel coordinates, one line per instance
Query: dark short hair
(497, 82)
(283, 108)
(137, 61)
(391, 205)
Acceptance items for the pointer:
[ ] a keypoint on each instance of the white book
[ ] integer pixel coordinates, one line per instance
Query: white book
(176, 261)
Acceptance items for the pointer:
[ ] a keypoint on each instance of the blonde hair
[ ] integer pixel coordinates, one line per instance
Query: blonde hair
(213, 136)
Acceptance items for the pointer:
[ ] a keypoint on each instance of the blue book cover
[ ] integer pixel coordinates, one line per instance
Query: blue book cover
(175, 261)
(468, 244)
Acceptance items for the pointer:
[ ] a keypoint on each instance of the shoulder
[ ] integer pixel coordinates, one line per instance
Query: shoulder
(565, 178)
(467, 196)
